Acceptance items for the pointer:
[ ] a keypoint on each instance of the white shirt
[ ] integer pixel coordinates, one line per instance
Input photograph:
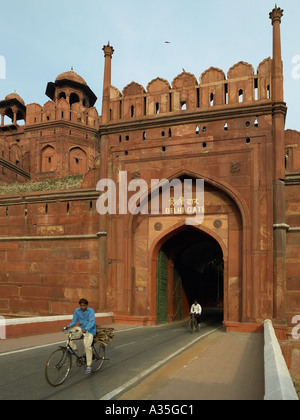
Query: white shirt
(196, 309)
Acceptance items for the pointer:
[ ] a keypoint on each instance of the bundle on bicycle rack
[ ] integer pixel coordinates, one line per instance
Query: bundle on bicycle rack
(104, 335)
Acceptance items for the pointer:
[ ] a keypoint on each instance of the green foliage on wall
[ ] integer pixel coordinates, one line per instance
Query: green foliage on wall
(47, 185)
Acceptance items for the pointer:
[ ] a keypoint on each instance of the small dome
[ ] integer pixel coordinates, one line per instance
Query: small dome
(14, 96)
(71, 79)
(71, 75)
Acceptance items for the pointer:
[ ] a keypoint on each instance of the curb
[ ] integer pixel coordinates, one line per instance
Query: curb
(278, 382)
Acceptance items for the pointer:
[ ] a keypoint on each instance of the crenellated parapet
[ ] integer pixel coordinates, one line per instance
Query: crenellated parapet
(61, 110)
(242, 86)
(292, 151)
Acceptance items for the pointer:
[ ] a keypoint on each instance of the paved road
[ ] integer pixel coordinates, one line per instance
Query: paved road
(133, 353)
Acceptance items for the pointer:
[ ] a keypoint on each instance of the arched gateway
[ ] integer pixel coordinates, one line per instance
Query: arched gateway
(175, 263)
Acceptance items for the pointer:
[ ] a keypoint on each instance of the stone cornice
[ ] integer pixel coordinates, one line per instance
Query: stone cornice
(294, 229)
(47, 238)
(59, 123)
(14, 168)
(49, 196)
(279, 108)
(190, 117)
(292, 178)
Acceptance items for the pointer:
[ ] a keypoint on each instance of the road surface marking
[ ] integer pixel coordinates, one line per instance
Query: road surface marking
(124, 345)
(147, 372)
(52, 344)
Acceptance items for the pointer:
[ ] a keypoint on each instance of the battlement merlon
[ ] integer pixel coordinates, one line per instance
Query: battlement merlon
(242, 87)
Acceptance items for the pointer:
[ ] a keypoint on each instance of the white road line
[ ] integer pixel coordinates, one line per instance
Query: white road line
(124, 345)
(147, 372)
(31, 348)
(53, 344)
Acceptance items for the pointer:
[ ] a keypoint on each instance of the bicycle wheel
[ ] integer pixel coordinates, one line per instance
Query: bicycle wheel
(58, 367)
(98, 356)
(191, 325)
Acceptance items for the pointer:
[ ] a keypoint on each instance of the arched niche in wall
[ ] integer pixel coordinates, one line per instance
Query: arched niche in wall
(48, 159)
(78, 161)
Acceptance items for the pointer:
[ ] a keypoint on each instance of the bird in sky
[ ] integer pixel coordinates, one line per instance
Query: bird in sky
(167, 42)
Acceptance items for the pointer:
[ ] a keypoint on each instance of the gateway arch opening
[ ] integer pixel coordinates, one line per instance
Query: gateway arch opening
(190, 266)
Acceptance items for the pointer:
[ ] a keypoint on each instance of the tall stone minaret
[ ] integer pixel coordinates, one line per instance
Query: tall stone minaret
(108, 53)
(276, 16)
(279, 108)
(279, 218)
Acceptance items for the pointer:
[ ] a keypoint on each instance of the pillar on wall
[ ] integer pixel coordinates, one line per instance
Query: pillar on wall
(280, 226)
(108, 52)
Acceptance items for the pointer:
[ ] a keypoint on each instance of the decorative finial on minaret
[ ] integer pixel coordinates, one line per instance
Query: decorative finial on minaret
(276, 14)
(108, 50)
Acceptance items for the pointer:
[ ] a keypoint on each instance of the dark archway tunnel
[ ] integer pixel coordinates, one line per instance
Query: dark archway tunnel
(190, 266)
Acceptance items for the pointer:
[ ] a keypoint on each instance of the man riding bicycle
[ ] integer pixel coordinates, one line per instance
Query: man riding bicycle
(85, 316)
(197, 311)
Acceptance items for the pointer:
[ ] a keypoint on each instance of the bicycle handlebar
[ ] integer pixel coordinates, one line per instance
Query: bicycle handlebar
(73, 335)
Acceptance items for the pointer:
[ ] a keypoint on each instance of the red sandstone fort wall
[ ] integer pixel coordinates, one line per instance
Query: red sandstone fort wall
(46, 275)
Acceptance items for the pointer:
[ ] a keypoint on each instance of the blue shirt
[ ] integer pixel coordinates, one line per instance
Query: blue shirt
(86, 320)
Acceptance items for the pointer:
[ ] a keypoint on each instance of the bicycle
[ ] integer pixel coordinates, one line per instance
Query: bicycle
(59, 364)
(193, 324)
